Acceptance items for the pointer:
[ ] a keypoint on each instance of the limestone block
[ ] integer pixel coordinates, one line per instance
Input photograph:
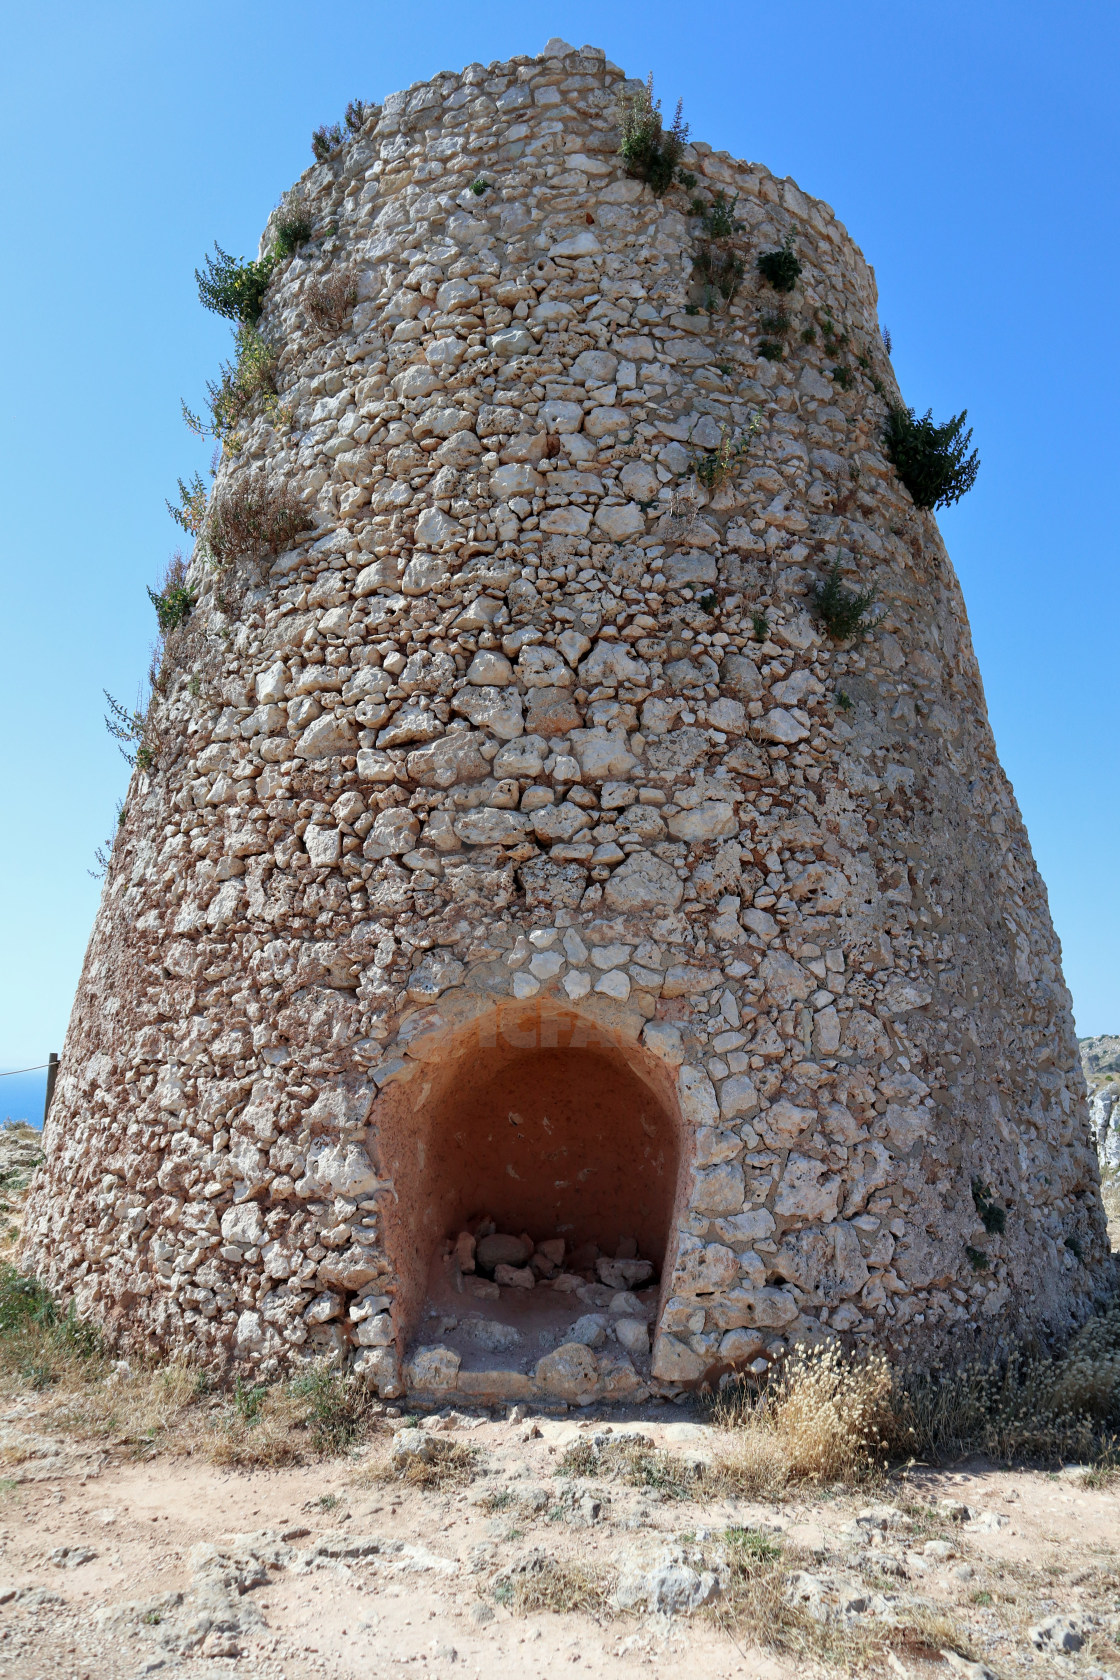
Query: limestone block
(705, 1270)
(327, 737)
(710, 821)
(755, 1308)
(243, 1225)
(393, 832)
(619, 1379)
(740, 1347)
(807, 1190)
(784, 1121)
(644, 882)
(590, 1329)
(619, 523)
(432, 1368)
(737, 1097)
(714, 1145)
(675, 1362)
(552, 712)
(561, 417)
(718, 1189)
(376, 1331)
(543, 667)
(633, 1334)
(342, 1169)
(486, 827)
(756, 1225)
(785, 979)
(411, 724)
(612, 662)
(781, 726)
(514, 341)
(496, 709)
(739, 675)
(516, 479)
(379, 1369)
(696, 1095)
(663, 1038)
(427, 572)
(570, 1373)
(446, 762)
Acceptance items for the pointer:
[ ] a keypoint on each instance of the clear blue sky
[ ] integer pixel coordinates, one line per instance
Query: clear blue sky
(969, 147)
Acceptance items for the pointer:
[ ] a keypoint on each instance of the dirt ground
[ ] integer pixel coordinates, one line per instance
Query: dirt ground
(114, 1568)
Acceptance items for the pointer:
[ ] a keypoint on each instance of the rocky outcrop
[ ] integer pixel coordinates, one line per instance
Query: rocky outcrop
(534, 729)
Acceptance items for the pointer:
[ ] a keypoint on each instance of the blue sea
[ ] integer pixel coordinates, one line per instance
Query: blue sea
(21, 1096)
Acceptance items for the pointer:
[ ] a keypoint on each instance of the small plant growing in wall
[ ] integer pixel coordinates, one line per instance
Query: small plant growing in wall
(780, 269)
(329, 302)
(329, 137)
(842, 611)
(252, 516)
(235, 289)
(842, 376)
(718, 266)
(127, 729)
(249, 380)
(715, 466)
(932, 461)
(992, 1216)
(294, 226)
(650, 151)
(191, 511)
(480, 186)
(775, 323)
(174, 601)
(760, 626)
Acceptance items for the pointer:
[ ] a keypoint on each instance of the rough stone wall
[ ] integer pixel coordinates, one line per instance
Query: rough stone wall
(500, 730)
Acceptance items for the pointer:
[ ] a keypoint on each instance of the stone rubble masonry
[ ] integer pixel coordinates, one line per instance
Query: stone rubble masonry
(483, 697)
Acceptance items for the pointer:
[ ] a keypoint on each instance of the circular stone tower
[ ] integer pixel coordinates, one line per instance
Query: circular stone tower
(512, 852)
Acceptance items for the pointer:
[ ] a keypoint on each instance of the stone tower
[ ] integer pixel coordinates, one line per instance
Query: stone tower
(537, 960)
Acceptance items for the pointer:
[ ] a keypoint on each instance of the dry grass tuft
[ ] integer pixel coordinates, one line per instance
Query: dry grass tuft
(539, 1582)
(830, 1417)
(1038, 1407)
(451, 1464)
(756, 1606)
(634, 1460)
(825, 1417)
(171, 1407)
(328, 303)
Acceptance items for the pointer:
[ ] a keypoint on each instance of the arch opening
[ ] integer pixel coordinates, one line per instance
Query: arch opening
(539, 1125)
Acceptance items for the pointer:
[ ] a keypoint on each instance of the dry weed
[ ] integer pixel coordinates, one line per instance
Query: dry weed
(1034, 1406)
(634, 1460)
(830, 1417)
(756, 1606)
(252, 515)
(328, 303)
(825, 1417)
(539, 1582)
(451, 1465)
(172, 1407)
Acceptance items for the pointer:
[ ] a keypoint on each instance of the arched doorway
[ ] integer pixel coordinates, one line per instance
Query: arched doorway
(541, 1123)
